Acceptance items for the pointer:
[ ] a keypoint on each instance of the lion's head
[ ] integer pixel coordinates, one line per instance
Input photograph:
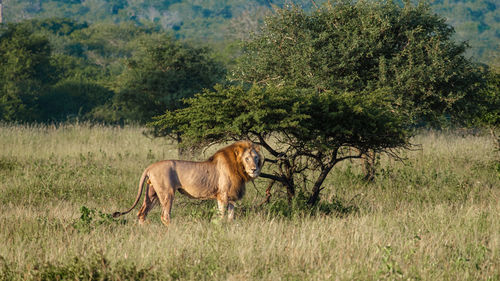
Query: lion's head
(248, 154)
(252, 162)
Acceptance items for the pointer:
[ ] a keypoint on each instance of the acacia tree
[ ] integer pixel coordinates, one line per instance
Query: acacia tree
(363, 47)
(322, 87)
(305, 132)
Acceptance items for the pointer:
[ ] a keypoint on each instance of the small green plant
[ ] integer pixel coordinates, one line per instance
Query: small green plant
(389, 267)
(203, 212)
(90, 218)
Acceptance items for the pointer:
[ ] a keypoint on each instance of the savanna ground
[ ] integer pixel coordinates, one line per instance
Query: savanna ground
(435, 216)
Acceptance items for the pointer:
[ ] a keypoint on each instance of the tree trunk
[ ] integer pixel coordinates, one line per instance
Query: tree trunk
(369, 161)
(289, 183)
(314, 198)
(290, 188)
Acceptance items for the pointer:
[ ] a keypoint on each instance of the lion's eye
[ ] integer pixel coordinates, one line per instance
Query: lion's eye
(247, 159)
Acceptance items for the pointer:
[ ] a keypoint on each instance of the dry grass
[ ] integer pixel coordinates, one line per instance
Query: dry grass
(435, 216)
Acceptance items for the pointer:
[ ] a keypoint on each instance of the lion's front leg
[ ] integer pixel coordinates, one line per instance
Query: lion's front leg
(167, 207)
(222, 206)
(222, 196)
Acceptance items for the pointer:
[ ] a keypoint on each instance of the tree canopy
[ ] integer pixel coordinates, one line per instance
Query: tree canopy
(160, 73)
(24, 64)
(407, 51)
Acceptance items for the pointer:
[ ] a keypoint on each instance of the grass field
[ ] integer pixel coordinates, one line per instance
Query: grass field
(435, 216)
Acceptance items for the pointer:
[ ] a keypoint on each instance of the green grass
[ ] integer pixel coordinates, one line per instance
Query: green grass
(435, 216)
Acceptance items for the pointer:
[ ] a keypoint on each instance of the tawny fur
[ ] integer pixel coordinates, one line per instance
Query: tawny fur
(221, 177)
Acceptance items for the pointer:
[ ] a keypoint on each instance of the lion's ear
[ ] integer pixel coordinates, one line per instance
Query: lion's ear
(238, 152)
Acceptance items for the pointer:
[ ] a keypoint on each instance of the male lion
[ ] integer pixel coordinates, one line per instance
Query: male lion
(222, 177)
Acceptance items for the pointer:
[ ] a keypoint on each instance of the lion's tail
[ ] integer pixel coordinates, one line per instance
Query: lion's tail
(139, 193)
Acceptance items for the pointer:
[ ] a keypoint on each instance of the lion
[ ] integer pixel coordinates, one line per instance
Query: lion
(221, 177)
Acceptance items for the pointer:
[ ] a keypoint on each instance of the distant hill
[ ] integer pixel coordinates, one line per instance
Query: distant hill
(477, 21)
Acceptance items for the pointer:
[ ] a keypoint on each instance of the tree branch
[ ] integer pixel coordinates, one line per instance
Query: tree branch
(272, 177)
(268, 193)
(349, 157)
(265, 145)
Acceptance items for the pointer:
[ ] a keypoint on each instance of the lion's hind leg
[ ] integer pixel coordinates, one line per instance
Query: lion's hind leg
(150, 200)
(165, 183)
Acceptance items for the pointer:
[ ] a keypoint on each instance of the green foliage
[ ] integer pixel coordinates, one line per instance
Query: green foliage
(490, 101)
(305, 116)
(406, 52)
(79, 90)
(232, 112)
(58, 70)
(346, 76)
(104, 44)
(389, 267)
(475, 22)
(206, 20)
(90, 219)
(89, 42)
(160, 73)
(39, 85)
(26, 71)
(72, 98)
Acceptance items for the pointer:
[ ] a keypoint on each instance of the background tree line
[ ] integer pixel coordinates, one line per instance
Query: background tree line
(75, 68)
(475, 21)
(58, 70)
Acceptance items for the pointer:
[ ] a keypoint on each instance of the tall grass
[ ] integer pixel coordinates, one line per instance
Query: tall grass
(434, 216)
